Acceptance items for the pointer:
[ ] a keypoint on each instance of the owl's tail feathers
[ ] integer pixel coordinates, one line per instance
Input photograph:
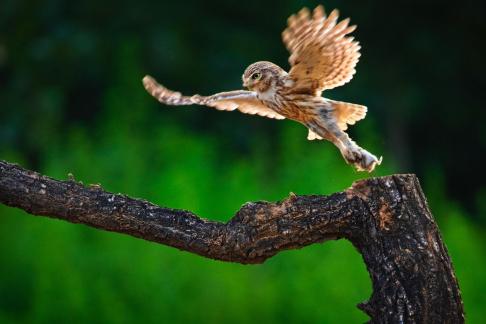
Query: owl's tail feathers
(347, 113)
(164, 95)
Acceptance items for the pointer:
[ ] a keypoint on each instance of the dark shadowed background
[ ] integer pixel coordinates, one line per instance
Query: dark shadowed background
(71, 101)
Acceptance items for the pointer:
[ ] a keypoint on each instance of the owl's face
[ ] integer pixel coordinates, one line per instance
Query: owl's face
(260, 76)
(255, 80)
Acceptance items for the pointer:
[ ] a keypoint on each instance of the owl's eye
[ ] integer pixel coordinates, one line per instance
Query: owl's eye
(256, 76)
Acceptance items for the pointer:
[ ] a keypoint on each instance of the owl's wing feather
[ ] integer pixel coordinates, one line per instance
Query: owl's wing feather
(322, 56)
(244, 101)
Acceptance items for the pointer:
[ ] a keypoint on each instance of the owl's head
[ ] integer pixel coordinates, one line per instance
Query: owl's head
(260, 76)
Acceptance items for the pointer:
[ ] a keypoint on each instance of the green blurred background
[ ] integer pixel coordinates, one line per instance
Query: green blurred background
(71, 101)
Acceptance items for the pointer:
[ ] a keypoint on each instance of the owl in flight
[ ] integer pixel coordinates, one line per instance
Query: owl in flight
(322, 57)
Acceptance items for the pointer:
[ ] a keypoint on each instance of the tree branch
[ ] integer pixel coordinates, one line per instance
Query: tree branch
(387, 219)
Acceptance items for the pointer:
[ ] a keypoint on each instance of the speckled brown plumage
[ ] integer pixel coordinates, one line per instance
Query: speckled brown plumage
(322, 56)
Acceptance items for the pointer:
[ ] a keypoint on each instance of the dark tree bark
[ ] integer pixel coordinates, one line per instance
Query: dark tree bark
(387, 219)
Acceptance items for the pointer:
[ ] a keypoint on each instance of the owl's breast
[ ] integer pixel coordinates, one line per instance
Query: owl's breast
(273, 100)
(268, 96)
(302, 108)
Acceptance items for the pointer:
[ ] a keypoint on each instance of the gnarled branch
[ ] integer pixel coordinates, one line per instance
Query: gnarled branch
(387, 219)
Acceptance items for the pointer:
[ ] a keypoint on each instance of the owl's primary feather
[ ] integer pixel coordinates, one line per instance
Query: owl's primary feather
(322, 56)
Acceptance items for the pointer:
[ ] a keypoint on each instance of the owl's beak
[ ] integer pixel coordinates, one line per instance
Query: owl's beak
(248, 85)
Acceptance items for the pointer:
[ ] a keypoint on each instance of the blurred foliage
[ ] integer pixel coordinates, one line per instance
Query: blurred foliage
(72, 101)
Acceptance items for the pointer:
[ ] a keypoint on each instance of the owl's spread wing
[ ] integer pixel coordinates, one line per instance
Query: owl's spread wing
(322, 56)
(245, 101)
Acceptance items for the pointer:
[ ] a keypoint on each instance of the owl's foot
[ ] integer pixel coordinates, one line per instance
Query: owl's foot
(361, 159)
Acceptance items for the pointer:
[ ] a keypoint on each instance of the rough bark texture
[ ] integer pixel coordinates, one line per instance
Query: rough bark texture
(387, 219)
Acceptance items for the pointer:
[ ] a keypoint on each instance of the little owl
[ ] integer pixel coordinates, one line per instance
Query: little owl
(322, 57)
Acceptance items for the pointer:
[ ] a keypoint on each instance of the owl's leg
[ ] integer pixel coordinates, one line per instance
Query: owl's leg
(326, 126)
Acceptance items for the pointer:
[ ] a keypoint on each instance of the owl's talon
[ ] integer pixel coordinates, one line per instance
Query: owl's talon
(362, 159)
